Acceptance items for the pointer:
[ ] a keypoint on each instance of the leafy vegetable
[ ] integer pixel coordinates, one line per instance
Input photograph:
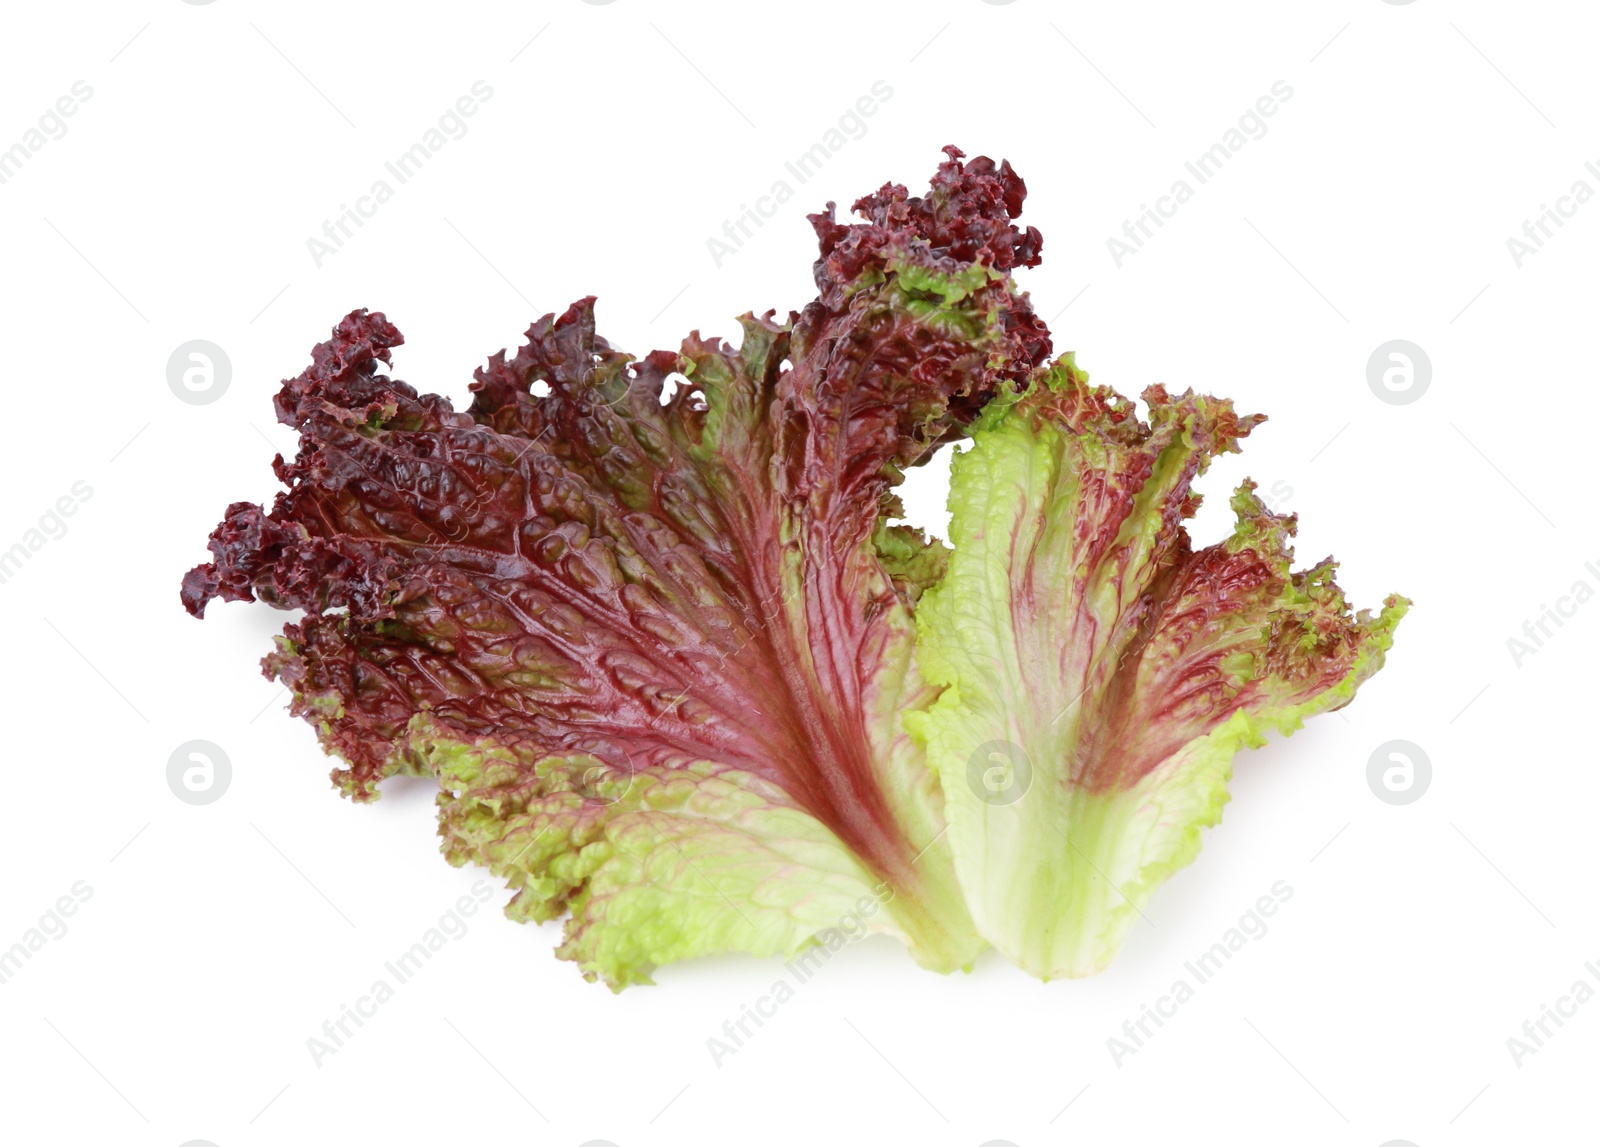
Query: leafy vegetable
(682, 679)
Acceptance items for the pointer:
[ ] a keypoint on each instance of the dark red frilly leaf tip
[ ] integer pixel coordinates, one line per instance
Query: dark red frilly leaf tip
(344, 372)
(966, 215)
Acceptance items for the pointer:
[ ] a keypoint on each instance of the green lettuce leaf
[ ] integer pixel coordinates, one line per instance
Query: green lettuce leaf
(1099, 674)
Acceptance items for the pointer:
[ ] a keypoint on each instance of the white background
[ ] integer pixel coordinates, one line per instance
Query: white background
(218, 939)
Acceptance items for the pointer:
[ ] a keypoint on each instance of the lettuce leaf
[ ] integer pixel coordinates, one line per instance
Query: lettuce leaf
(685, 681)
(1099, 674)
